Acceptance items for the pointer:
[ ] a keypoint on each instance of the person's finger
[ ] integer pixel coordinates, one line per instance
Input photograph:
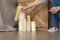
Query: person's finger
(51, 10)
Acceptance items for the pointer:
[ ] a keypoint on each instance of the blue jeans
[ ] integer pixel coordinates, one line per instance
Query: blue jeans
(55, 17)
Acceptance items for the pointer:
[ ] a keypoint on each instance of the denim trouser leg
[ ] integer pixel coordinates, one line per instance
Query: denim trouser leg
(59, 15)
(55, 17)
(54, 20)
(54, 3)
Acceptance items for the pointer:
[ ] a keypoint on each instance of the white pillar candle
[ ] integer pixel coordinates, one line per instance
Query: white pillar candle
(33, 26)
(21, 19)
(24, 25)
(28, 23)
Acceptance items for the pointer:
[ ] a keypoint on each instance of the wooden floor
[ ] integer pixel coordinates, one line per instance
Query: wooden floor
(29, 36)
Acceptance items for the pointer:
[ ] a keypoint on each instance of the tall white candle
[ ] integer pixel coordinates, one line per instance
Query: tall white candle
(21, 19)
(28, 23)
(33, 26)
(24, 25)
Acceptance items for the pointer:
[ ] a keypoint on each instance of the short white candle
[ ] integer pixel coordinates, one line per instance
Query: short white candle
(28, 23)
(33, 26)
(24, 25)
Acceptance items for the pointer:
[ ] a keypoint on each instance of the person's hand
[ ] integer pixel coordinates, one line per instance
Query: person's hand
(24, 8)
(53, 10)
